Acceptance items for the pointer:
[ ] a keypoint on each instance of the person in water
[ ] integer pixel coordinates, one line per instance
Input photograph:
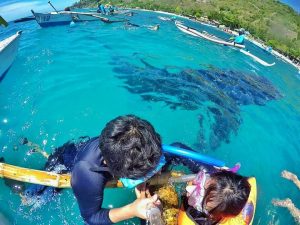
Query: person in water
(111, 9)
(155, 27)
(129, 25)
(128, 147)
(215, 196)
(287, 203)
(62, 161)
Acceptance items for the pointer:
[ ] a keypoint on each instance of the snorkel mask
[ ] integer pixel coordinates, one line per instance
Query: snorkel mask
(131, 183)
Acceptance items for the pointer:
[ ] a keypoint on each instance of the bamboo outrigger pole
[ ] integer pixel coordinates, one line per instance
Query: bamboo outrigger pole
(64, 180)
(34, 176)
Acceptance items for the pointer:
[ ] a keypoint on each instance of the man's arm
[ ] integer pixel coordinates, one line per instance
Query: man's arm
(290, 176)
(88, 188)
(290, 206)
(138, 208)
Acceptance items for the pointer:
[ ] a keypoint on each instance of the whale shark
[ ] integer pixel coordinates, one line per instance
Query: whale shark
(217, 94)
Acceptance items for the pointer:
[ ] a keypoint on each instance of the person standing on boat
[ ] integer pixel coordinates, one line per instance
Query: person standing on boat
(101, 8)
(239, 39)
(128, 147)
(111, 9)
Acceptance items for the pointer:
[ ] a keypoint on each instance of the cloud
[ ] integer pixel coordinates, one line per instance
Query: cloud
(8, 2)
(14, 9)
(17, 9)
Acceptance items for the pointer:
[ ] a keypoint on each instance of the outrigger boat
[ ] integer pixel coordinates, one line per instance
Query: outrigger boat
(217, 40)
(114, 13)
(65, 17)
(255, 58)
(205, 35)
(8, 52)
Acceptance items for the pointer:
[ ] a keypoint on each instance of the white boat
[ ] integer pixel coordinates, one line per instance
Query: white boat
(8, 52)
(64, 17)
(114, 13)
(164, 18)
(262, 62)
(207, 36)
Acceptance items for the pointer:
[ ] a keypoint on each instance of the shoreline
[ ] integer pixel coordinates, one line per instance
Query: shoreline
(274, 53)
(161, 12)
(253, 41)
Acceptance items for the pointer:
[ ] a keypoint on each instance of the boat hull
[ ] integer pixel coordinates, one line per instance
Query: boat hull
(8, 52)
(195, 33)
(81, 16)
(49, 19)
(62, 18)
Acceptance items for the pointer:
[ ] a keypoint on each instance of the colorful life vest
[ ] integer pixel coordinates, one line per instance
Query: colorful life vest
(245, 217)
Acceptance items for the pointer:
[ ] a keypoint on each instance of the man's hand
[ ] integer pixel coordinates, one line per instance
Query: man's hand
(144, 201)
(141, 191)
(138, 208)
(288, 175)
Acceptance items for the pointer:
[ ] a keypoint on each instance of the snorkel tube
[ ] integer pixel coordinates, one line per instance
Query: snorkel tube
(192, 155)
(181, 152)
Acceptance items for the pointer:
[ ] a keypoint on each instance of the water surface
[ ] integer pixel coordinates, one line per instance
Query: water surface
(68, 82)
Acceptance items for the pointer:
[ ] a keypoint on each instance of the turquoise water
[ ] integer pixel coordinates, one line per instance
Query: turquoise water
(68, 82)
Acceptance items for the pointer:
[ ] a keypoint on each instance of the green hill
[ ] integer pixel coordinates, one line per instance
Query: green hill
(275, 23)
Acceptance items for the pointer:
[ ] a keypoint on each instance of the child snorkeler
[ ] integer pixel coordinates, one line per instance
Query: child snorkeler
(213, 194)
(215, 197)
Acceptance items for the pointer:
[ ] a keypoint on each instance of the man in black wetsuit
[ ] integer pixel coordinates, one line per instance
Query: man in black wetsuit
(127, 147)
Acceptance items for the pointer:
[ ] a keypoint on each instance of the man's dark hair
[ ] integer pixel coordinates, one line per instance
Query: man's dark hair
(130, 146)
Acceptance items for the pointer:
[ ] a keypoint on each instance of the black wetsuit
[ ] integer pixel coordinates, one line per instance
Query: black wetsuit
(89, 176)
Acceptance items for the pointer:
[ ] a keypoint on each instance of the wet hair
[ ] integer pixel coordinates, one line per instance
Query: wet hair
(130, 146)
(226, 193)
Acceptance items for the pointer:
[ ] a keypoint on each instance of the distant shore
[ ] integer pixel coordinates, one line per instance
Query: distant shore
(276, 53)
(260, 45)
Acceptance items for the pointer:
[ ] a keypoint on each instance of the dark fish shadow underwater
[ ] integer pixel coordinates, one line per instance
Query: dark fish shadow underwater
(216, 94)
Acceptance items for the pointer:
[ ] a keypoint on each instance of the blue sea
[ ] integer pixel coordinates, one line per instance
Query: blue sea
(68, 82)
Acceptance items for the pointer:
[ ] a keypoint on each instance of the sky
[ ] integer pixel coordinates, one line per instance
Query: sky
(295, 4)
(14, 9)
